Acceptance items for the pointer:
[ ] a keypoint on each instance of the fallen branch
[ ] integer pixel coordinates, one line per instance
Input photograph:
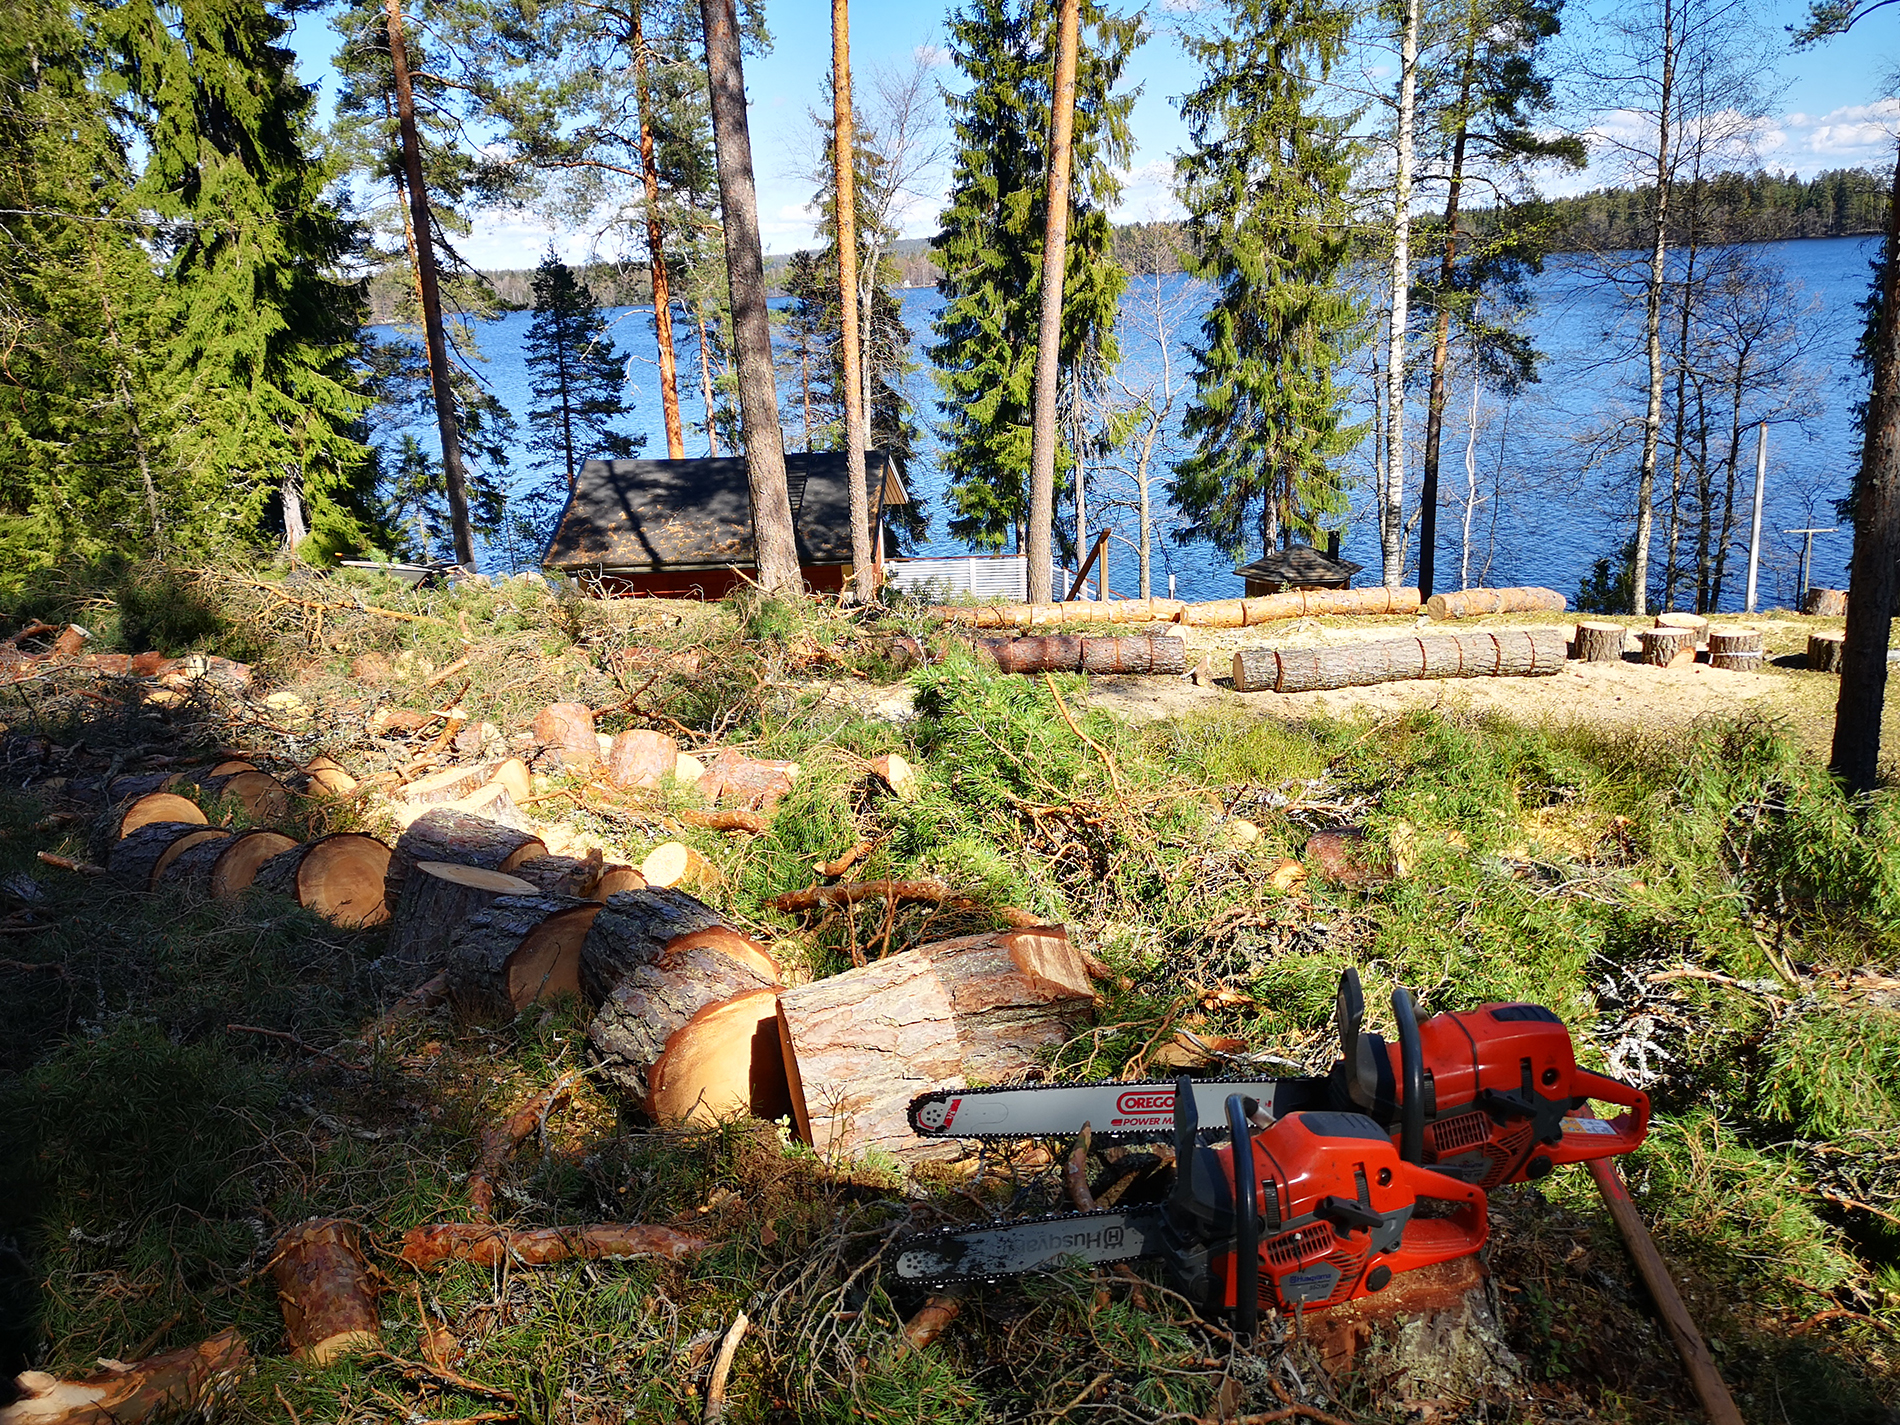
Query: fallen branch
(1114, 776)
(486, 1245)
(444, 674)
(454, 1378)
(931, 1319)
(851, 892)
(722, 1367)
(68, 863)
(831, 870)
(298, 1044)
(499, 1141)
(172, 1386)
(731, 820)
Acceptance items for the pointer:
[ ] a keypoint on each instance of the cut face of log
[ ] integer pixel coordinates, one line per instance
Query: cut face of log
(673, 863)
(642, 759)
(236, 866)
(516, 950)
(493, 802)
(615, 879)
(640, 927)
(860, 1045)
(261, 795)
(134, 859)
(127, 817)
(1668, 647)
(439, 898)
(327, 774)
(1824, 651)
(1600, 642)
(230, 766)
(1694, 622)
(568, 730)
(211, 835)
(726, 1059)
(1470, 603)
(177, 1385)
(897, 774)
(688, 769)
(327, 1292)
(513, 774)
(449, 834)
(339, 877)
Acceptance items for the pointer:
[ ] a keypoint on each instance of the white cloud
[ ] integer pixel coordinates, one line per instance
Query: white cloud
(936, 56)
(1148, 193)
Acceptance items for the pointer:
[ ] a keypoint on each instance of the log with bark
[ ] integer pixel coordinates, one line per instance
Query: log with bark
(448, 785)
(641, 927)
(1299, 603)
(1735, 648)
(448, 834)
(1668, 647)
(1696, 622)
(438, 899)
(642, 759)
(261, 795)
(1825, 603)
(673, 863)
(134, 860)
(1072, 653)
(327, 1291)
(1600, 642)
(517, 950)
(753, 782)
(897, 774)
(615, 879)
(223, 869)
(129, 815)
(1472, 603)
(561, 875)
(1531, 653)
(327, 775)
(427, 1248)
(567, 729)
(1824, 651)
(340, 877)
(860, 1045)
(177, 1385)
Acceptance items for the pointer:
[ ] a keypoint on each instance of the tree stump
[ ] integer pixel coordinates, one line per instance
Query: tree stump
(615, 879)
(1668, 647)
(640, 927)
(261, 795)
(517, 950)
(642, 759)
(135, 859)
(128, 816)
(448, 834)
(860, 1045)
(224, 869)
(450, 784)
(327, 1291)
(1825, 603)
(178, 1385)
(1735, 648)
(567, 729)
(1824, 651)
(1469, 603)
(561, 875)
(752, 782)
(1600, 642)
(438, 900)
(1695, 622)
(339, 877)
(673, 863)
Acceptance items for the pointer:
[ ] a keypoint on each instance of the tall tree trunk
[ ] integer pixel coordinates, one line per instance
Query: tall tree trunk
(1055, 242)
(845, 201)
(706, 386)
(1870, 584)
(656, 244)
(290, 493)
(1652, 322)
(1392, 533)
(775, 543)
(448, 425)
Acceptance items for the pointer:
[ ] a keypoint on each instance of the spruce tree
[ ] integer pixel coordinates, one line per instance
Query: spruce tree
(577, 377)
(1265, 188)
(990, 242)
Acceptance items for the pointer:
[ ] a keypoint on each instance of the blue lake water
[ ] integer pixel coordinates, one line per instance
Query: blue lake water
(1550, 500)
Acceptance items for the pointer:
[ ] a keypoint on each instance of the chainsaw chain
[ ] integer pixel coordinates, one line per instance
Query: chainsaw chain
(924, 1240)
(1152, 1135)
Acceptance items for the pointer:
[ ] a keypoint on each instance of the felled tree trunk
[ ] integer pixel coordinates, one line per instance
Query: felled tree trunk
(675, 864)
(561, 875)
(450, 784)
(860, 1045)
(1734, 648)
(1076, 611)
(1825, 603)
(127, 816)
(752, 782)
(223, 869)
(173, 1386)
(1824, 651)
(449, 835)
(1069, 653)
(1600, 642)
(568, 730)
(137, 859)
(1668, 647)
(642, 759)
(1535, 653)
(648, 925)
(517, 950)
(261, 795)
(1299, 603)
(327, 1291)
(339, 877)
(438, 900)
(426, 1248)
(1470, 603)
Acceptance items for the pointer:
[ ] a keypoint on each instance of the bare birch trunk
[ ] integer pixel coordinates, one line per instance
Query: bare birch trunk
(1652, 324)
(1392, 533)
(845, 201)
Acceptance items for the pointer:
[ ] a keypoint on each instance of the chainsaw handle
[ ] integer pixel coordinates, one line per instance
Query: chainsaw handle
(1411, 1080)
(1626, 1131)
(1429, 1240)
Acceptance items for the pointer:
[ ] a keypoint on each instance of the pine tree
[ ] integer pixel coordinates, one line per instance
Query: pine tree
(1265, 188)
(990, 242)
(578, 376)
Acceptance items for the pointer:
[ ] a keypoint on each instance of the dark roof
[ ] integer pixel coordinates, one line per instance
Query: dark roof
(1302, 564)
(697, 514)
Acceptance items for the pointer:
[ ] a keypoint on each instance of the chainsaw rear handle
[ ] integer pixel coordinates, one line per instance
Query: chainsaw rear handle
(1623, 1134)
(1411, 1081)
(1430, 1240)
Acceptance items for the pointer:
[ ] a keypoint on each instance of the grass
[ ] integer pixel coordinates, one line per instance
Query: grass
(150, 1153)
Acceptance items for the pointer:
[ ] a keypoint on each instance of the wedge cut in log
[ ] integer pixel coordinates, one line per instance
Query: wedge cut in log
(1600, 642)
(450, 784)
(519, 950)
(339, 877)
(261, 795)
(1071, 653)
(1825, 603)
(134, 859)
(438, 899)
(128, 816)
(449, 834)
(642, 759)
(426, 1248)
(1470, 603)
(754, 783)
(178, 1385)
(641, 927)
(1824, 651)
(860, 1045)
(561, 875)
(567, 729)
(1668, 647)
(514, 775)
(673, 863)
(327, 775)
(327, 1291)
(615, 879)
(222, 870)
(1535, 653)
(1735, 648)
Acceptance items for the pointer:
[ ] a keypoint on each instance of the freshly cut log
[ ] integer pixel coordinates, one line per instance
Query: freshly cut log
(1070, 653)
(673, 863)
(561, 875)
(641, 927)
(641, 758)
(615, 879)
(1684, 620)
(327, 1291)
(568, 730)
(128, 816)
(1469, 603)
(1600, 642)
(426, 1248)
(177, 1385)
(327, 774)
(1824, 651)
(1531, 653)
(897, 774)
(214, 839)
(261, 795)
(438, 899)
(227, 768)
(448, 785)
(1825, 603)
(493, 802)
(753, 782)
(134, 859)
(513, 774)
(340, 877)
(1299, 603)
(860, 1045)
(231, 870)
(1668, 647)
(448, 834)
(1076, 611)
(517, 950)
(1735, 648)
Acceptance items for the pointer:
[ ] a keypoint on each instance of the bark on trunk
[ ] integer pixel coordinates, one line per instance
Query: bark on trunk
(860, 1045)
(568, 729)
(1472, 603)
(1695, 623)
(327, 1291)
(1737, 649)
(1652, 319)
(139, 859)
(756, 783)
(1392, 525)
(656, 242)
(109, 829)
(1824, 651)
(449, 835)
(642, 759)
(777, 550)
(844, 164)
(1538, 653)
(1080, 611)
(1067, 653)
(339, 877)
(450, 784)
(561, 875)
(223, 869)
(1299, 603)
(518, 950)
(1825, 603)
(1600, 642)
(1038, 544)
(438, 900)
(177, 1385)
(641, 927)
(426, 1248)
(1668, 647)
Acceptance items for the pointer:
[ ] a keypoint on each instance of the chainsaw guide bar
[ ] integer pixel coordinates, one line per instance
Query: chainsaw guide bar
(1113, 1110)
(1030, 1244)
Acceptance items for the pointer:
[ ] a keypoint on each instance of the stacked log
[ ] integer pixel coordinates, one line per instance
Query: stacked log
(561, 875)
(1825, 603)
(519, 950)
(860, 1045)
(261, 795)
(1534, 653)
(113, 826)
(1471, 603)
(1668, 647)
(223, 869)
(438, 899)
(1824, 651)
(1299, 603)
(614, 880)
(1068, 653)
(449, 834)
(340, 877)
(1600, 642)
(134, 859)
(448, 785)
(1735, 648)
(1075, 611)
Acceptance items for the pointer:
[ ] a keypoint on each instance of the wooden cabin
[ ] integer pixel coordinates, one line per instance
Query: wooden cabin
(683, 528)
(1299, 566)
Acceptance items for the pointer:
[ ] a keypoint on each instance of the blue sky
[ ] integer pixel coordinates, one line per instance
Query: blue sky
(1829, 109)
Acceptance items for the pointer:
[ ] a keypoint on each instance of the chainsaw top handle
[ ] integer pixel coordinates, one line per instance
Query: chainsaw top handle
(1412, 1081)
(1587, 1138)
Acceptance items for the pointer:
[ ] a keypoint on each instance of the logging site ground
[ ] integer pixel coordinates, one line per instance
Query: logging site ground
(1658, 855)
